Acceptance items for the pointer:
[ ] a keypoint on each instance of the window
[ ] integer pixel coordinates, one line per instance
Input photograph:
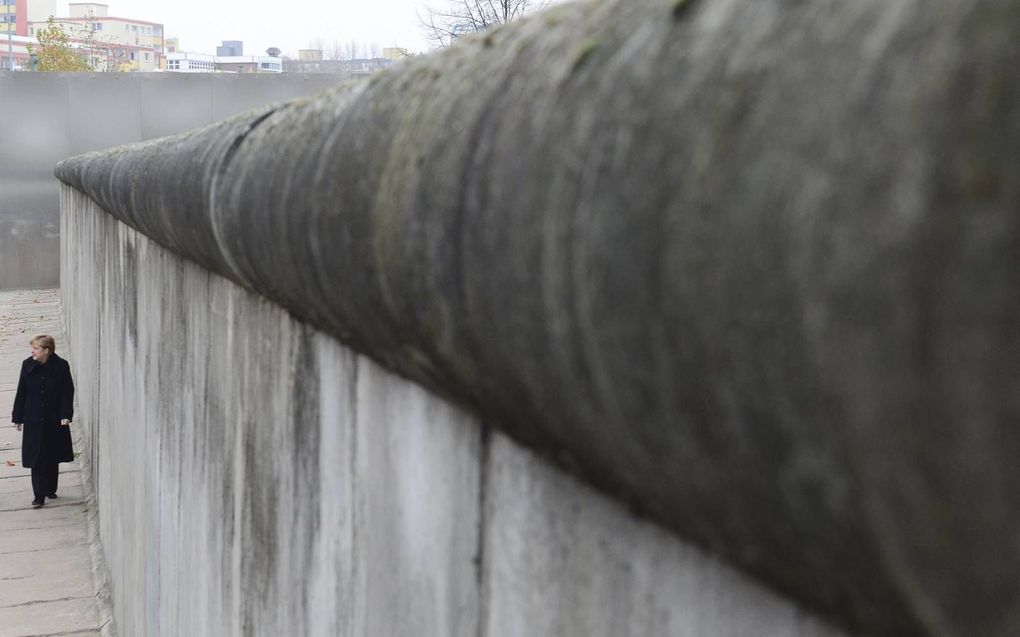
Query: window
(97, 26)
(174, 65)
(146, 57)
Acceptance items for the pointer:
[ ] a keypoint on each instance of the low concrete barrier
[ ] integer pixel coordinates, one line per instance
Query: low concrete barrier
(749, 267)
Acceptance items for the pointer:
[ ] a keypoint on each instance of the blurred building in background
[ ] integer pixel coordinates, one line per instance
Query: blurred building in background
(310, 61)
(18, 50)
(229, 58)
(394, 53)
(114, 44)
(187, 62)
(15, 15)
(230, 48)
(178, 61)
(248, 64)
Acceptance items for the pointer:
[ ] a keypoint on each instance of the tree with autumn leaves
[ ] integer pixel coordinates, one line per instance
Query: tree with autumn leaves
(57, 53)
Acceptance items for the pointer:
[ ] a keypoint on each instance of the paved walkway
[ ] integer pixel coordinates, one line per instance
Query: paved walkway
(46, 583)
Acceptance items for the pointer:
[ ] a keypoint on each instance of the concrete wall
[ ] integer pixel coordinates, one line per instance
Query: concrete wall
(256, 477)
(50, 116)
(750, 267)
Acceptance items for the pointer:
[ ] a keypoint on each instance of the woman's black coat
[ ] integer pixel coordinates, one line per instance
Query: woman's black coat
(45, 397)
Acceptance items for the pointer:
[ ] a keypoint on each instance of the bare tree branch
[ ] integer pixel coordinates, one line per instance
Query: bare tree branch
(444, 23)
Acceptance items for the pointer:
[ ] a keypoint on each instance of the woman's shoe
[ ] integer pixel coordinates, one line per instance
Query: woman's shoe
(38, 502)
(52, 496)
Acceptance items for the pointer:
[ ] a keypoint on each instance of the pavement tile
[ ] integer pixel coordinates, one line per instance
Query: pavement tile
(57, 514)
(14, 542)
(55, 574)
(50, 618)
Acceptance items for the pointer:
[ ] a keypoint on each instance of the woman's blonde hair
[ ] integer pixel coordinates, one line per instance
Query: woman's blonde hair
(44, 341)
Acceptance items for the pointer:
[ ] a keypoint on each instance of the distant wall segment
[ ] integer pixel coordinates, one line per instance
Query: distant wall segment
(748, 267)
(51, 116)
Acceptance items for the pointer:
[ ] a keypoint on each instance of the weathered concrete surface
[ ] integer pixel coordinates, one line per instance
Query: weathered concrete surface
(256, 477)
(551, 545)
(750, 266)
(64, 114)
(46, 577)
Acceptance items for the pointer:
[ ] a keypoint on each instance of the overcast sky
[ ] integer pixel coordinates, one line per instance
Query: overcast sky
(287, 24)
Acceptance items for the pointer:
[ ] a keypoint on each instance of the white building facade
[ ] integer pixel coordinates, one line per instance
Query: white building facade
(183, 62)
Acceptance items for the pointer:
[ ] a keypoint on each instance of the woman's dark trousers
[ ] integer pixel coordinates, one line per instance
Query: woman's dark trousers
(44, 478)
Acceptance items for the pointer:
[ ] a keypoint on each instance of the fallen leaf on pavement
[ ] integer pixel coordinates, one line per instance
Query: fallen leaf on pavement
(11, 463)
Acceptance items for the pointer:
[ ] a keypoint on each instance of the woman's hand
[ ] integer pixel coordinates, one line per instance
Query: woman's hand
(65, 422)
(18, 426)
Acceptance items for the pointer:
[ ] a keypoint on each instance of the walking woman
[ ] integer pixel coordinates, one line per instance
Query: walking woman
(43, 408)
